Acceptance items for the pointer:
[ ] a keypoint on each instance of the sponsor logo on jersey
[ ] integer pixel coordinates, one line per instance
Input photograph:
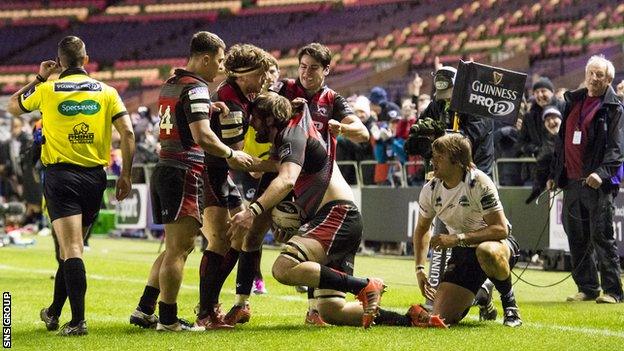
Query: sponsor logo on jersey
(199, 93)
(72, 108)
(81, 134)
(285, 150)
(78, 86)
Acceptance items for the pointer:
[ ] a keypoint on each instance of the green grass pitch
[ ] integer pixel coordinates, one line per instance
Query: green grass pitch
(117, 270)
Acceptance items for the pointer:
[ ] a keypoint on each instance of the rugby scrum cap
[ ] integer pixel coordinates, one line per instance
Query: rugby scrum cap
(444, 78)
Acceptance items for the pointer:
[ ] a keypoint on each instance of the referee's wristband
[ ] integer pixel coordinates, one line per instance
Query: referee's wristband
(256, 208)
(230, 155)
(40, 78)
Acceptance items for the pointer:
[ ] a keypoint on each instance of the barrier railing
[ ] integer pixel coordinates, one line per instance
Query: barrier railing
(393, 164)
(495, 172)
(356, 169)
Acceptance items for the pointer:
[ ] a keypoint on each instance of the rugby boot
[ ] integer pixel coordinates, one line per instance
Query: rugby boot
(423, 319)
(313, 318)
(370, 297)
(214, 320)
(51, 322)
(68, 330)
(238, 314)
(143, 320)
(512, 317)
(259, 288)
(180, 325)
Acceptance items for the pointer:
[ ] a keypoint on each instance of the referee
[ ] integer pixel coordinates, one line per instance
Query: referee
(77, 113)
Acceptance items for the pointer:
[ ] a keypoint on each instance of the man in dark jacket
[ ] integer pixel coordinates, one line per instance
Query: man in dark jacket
(587, 166)
(478, 130)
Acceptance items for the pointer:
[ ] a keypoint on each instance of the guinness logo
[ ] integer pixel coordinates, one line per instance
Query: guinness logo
(498, 77)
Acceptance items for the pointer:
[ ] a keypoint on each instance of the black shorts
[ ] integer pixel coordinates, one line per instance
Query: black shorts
(219, 188)
(337, 226)
(70, 190)
(247, 184)
(176, 193)
(463, 268)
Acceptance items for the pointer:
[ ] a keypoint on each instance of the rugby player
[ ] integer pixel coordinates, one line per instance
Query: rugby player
(466, 201)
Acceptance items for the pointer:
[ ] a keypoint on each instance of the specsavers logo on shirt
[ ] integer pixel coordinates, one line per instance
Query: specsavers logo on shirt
(81, 134)
(72, 108)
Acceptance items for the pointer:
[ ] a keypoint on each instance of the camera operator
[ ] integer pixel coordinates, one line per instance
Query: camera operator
(478, 130)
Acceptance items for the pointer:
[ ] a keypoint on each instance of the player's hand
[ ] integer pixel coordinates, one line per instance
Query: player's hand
(123, 187)
(550, 185)
(47, 68)
(335, 127)
(298, 102)
(443, 241)
(219, 107)
(240, 160)
(425, 287)
(240, 224)
(593, 181)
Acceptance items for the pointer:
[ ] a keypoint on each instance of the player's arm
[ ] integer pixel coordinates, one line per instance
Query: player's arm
(260, 165)
(495, 230)
(123, 125)
(277, 190)
(46, 68)
(351, 127)
(345, 122)
(421, 238)
(209, 141)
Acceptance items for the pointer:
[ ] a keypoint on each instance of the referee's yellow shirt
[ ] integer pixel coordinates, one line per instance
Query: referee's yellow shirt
(254, 148)
(77, 113)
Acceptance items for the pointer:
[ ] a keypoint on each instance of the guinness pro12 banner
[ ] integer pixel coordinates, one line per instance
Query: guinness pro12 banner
(487, 91)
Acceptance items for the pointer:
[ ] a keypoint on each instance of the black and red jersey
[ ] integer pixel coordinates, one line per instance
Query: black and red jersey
(230, 128)
(183, 99)
(324, 105)
(299, 142)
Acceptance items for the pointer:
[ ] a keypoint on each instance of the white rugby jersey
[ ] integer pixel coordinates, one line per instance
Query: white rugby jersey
(462, 208)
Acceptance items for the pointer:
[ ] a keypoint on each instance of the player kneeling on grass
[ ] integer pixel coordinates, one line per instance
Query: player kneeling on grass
(322, 253)
(466, 201)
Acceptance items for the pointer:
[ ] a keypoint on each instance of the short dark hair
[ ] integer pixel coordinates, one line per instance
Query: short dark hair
(319, 52)
(206, 43)
(271, 104)
(72, 51)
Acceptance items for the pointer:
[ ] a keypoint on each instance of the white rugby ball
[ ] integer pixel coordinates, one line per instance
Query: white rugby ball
(286, 215)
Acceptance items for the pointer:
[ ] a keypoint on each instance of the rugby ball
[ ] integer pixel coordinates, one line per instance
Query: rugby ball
(286, 216)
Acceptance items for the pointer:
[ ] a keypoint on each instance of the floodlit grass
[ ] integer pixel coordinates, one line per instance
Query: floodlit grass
(117, 270)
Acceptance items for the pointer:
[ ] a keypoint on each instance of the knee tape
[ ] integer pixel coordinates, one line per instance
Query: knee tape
(294, 252)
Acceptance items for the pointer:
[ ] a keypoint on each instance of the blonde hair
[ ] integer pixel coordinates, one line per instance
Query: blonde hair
(457, 147)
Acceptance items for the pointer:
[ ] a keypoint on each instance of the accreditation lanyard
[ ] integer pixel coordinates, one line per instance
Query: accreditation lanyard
(576, 138)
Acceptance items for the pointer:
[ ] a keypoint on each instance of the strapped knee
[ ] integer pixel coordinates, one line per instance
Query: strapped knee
(295, 252)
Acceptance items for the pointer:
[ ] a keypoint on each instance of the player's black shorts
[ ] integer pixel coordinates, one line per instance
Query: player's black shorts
(463, 268)
(70, 190)
(219, 188)
(337, 226)
(247, 184)
(176, 193)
